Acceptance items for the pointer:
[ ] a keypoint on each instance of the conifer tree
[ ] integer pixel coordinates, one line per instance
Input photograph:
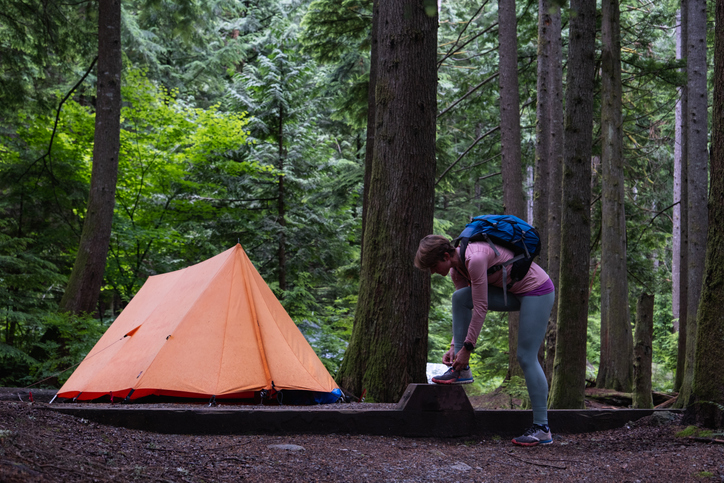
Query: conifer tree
(388, 347)
(707, 402)
(569, 371)
(84, 285)
(697, 177)
(616, 361)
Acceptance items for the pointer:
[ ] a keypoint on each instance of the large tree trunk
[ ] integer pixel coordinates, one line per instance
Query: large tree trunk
(615, 370)
(707, 399)
(569, 370)
(555, 176)
(84, 285)
(513, 200)
(697, 179)
(542, 130)
(643, 352)
(370, 141)
(388, 347)
(680, 236)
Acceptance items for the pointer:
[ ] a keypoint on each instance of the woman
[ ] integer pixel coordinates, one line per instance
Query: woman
(476, 292)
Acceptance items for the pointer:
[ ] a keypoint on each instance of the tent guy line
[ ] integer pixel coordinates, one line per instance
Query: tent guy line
(74, 365)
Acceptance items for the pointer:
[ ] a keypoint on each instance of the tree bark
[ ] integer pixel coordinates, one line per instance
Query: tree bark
(370, 140)
(707, 399)
(680, 236)
(513, 199)
(281, 208)
(569, 369)
(697, 179)
(555, 177)
(84, 285)
(542, 130)
(643, 352)
(615, 369)
(388, 347)
(539, 198)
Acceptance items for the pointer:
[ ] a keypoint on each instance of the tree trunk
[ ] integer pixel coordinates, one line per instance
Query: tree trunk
(707, 398)
(388, 347)
(643, 352)
(84, 285)
(697, 179)
(281, 209)
(680, 238)
(542, 131)
(370, 141)
(513, 200)
(615, 370)
(569, 369)
(555, 176)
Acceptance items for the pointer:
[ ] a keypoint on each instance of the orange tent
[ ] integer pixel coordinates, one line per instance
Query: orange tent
(212, 329)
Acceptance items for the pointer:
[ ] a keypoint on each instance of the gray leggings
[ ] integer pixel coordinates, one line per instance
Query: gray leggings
(534, 313)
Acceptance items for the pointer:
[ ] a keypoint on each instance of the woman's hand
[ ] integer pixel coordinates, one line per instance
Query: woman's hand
(461, 360)
(449, 357)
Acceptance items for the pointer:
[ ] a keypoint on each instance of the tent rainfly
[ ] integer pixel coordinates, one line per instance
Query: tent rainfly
(211, 329)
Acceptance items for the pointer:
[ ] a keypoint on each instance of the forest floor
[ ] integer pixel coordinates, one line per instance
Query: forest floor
(41, 445)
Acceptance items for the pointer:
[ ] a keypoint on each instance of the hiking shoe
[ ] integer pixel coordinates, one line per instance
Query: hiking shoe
(452, 376)
(537, 434)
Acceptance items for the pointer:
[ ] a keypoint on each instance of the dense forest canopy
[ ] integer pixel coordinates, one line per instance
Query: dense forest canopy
(245, 121)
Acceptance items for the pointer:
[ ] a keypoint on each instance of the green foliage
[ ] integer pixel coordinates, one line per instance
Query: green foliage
(15, 365)
(337, 34)
(439, 319)
(66, 339)
(330, 334)
(51, 345)
(688, 431)
(175, 162)
(43, 46)
(490, 358)
(192, 46)
(331, 29)
(696, 432)
(517, 389)
(593, 339)
(665, 344)
(315, 212)
(704, 474)
(27, 279)
(44, 193)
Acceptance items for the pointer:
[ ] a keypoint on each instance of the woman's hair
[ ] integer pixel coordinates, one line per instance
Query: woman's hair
(432, 249)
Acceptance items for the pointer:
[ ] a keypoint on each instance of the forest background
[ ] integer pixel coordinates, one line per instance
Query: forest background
(245, 121)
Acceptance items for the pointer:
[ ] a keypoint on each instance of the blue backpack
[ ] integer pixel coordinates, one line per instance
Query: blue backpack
(506, 231)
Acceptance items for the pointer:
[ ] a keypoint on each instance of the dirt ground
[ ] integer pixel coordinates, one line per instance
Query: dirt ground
(41, 445)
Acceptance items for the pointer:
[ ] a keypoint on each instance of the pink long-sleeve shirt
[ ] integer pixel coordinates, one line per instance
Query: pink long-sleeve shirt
(478, 258)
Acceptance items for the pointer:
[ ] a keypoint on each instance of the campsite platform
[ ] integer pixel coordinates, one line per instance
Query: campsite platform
(423, 411)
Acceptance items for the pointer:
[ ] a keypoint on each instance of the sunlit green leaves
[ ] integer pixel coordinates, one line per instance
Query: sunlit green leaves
(174, 163)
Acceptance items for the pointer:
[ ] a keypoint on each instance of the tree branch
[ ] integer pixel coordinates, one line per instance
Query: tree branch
(490, 175)
(468, 93)
(449, 52)
(57, 119)
(480, 138)
(60, 106)
(452, 50)
(651, 222)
